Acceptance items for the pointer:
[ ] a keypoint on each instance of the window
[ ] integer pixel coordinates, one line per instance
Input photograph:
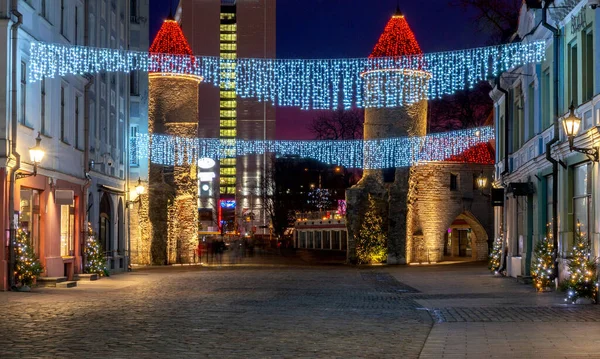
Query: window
(43, 125)
(546, 100)
(335, 241)
(582, 195)
(318, 240)
(588, 66)
(326, 239)
(530, 111)
(133, 149)
(344, 240)
(518, 126)
(76, 39)
(228, 133)
(63, 130)
(23, 93)
(93, 123)
(573, 73)
(44, 9)
(62, 18)
(475, 184)
(133, 83)
(228, 123)
(67, 230)
(453, 182)
(311, 244)
(133, 10)
(76, 119)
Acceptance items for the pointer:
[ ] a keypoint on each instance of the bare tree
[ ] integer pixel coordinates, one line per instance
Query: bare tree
(338, 125)
(465, 109)
(498, 18)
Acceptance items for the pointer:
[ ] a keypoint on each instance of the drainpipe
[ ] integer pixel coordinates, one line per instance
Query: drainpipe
(554, 140)
(505, 169)
(86, 161)
(13, 172)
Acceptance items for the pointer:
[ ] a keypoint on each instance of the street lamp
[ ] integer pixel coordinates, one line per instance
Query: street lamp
(481, 181)
(571, 126)
(139, 191)
(36, 154)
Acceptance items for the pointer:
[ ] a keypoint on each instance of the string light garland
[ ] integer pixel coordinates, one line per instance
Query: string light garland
(371, 154)
(308, 84)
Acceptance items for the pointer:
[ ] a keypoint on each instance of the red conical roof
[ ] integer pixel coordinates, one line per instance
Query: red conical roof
(482, 153)
(397, 39)
(170, 40)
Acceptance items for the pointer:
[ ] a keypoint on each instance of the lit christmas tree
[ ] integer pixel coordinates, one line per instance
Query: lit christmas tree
(583, 270)
(495, 255)
(27, 266)
(95, 261)
(371, 244)
(542, 265)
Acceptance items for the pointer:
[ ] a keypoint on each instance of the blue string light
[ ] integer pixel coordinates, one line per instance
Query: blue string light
(371, 154)
(308, 84)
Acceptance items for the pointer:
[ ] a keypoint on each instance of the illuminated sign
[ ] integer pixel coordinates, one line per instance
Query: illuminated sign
(228, 204)
(206, 163)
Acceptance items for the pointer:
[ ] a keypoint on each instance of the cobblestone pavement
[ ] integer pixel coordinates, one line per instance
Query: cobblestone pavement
(267, 309)
(247, 312)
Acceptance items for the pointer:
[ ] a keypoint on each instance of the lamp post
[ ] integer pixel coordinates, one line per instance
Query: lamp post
(571, 125)
(139, 191)
(36, 155)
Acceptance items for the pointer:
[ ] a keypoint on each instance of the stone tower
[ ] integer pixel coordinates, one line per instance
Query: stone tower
(388, 187)
(173, 193)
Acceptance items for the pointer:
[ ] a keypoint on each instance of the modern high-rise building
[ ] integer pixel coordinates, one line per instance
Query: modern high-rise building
(231, 29)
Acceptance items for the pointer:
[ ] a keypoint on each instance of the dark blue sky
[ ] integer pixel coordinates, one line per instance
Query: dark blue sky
(349, 28)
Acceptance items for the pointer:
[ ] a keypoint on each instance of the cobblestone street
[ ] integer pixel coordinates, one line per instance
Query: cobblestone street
(297, 311)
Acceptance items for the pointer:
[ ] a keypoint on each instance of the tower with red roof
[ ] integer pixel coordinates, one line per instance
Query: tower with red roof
(172, 207)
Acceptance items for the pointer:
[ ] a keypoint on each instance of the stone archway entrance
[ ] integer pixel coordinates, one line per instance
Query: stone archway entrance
(465, 239)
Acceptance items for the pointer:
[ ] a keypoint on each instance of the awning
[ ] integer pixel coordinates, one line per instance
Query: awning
(109, 189)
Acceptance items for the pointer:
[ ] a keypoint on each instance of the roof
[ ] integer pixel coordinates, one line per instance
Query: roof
(482, 153)
(170, 40)
(397, 39)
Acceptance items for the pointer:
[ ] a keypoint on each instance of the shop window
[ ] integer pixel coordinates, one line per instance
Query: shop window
(29, 219)
(311, 244)
(67, 230)
(318, 240)
(344, 240)
(302, 239)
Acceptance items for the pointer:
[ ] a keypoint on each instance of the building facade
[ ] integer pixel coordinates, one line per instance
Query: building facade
(231, 29)
(549, 189)
(82, 123)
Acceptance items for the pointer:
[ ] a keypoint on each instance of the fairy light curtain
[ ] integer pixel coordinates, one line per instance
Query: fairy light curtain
(308, 84)
(457, 146)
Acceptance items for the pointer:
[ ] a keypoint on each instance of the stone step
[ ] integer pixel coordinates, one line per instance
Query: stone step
(86, 277)
(69, 284)
(50, 281)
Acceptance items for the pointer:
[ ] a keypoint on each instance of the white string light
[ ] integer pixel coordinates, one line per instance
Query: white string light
(372, 154)
(308, 84)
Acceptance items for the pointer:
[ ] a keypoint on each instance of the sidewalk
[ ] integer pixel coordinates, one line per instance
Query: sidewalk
(478, 315)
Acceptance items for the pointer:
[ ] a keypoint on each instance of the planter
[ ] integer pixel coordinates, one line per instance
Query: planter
(584, 301)
(24, 288)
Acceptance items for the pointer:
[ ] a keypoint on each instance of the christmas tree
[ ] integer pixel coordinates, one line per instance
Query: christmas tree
(371, 244)
(27, 266)
(542, 265)
(495, 255)
(583, 276)
(95, 261)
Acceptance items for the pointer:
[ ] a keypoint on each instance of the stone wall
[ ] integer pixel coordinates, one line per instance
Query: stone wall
(173, 207)
(434, 206)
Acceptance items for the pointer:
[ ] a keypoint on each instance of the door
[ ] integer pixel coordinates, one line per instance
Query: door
(463, 243)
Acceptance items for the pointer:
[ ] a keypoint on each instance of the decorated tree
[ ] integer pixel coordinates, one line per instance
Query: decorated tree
(95, 261)
(582, 270)
(371, 244)
(495, 255)
(542, 265)
(27, 265)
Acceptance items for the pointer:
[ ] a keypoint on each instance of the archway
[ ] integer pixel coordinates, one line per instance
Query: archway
(465, 239)
(104, 232)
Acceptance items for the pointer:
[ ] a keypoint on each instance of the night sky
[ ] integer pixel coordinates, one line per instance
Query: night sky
(350, 28)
